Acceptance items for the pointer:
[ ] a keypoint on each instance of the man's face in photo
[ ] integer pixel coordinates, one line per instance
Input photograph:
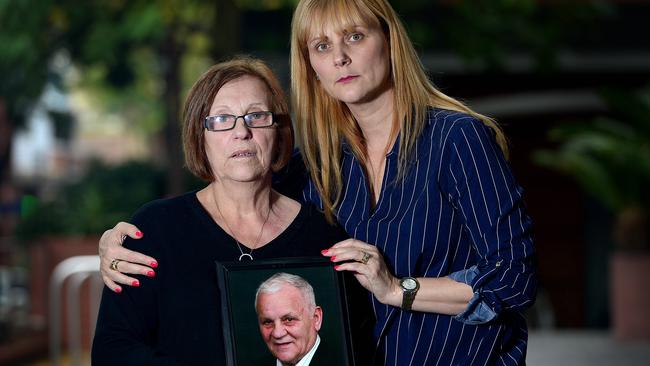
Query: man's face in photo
(288, 323)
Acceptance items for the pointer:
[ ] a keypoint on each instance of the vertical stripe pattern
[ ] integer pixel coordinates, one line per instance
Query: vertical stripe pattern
(458, 206)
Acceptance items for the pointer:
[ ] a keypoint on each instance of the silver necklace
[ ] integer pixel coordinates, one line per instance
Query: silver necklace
(243, 255)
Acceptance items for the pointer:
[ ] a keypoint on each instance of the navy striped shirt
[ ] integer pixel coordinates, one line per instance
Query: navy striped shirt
(458, 211)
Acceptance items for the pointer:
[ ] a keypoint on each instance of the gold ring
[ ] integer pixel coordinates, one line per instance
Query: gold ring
(114, 264)
(366, 258)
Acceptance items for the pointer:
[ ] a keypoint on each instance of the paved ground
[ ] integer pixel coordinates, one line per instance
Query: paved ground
(555, 348)
(584, 347)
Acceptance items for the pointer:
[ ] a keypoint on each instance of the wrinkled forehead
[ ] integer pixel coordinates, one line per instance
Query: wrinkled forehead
(337, 16)
(243, 88)
(284, 300)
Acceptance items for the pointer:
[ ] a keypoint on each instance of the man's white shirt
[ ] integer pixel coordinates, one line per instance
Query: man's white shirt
(307, 358)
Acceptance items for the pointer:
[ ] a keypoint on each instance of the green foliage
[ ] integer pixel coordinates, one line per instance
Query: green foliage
(139, 103)
(484, 32)
(265, 4)
(609, 158)
(104, 196)
(26, 48)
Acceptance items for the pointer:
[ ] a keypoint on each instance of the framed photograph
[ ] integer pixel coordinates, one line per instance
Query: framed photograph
(243, 330)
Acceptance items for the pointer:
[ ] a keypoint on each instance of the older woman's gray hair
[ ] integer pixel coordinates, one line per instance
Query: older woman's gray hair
(277, 281)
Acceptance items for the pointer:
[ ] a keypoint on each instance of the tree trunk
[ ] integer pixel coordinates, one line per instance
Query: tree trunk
(6, 135)
(7, 192)
(228, 33)
(228, 43)
(171, 53)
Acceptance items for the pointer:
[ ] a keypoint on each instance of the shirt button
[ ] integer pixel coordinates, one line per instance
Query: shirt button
(498, 264)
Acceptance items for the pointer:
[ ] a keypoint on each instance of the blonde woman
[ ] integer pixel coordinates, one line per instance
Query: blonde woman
(419, 181)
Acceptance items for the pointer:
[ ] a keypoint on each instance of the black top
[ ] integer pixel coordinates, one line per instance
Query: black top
(323, 355)
(174, 318)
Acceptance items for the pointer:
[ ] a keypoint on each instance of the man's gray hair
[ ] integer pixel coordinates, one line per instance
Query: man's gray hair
(274, 283)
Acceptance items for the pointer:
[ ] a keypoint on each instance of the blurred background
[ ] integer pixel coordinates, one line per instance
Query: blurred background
(90, 98)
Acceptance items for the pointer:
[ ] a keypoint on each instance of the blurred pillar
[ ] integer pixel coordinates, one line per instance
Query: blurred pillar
(227, 30)
(172, 51)
(6, 133)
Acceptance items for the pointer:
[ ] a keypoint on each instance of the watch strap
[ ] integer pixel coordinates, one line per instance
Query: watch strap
(408, 295)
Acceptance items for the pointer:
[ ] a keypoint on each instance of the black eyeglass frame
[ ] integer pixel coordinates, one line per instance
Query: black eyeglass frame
(246, 117)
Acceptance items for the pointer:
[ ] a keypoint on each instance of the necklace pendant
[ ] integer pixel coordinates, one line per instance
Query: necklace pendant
(245, 255)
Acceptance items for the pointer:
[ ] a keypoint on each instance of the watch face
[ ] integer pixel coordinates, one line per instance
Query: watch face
(409, 284)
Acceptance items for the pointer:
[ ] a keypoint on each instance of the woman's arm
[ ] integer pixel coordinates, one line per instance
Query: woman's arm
(128, 323)
(290, 182)
(436, 295)
(489, 201)
(124, 334)
(480, 185)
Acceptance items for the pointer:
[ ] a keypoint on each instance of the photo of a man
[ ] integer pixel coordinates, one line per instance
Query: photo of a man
(289, 319)
(289, 311)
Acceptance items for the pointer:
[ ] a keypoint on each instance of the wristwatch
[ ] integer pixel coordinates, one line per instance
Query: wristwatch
(410, 287)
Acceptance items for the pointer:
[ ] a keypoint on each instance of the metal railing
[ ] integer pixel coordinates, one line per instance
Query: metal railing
(71, 274)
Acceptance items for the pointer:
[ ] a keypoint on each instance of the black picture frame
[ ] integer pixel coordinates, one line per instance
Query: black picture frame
(238, 282)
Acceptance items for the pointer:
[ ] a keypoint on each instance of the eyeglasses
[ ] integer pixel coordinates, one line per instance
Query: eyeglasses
(225, 122)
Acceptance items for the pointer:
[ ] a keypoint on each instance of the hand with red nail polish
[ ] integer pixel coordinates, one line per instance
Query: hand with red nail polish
(130, 262)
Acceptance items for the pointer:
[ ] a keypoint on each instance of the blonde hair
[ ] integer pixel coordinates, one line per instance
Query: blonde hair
(322, 122)
(200, 99)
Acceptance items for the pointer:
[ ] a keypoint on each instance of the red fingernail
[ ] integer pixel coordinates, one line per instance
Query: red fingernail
(118, 290)
(138, 233)
(154, 264)
(151, 273)
(333, 258)
(135, 283)
(324, 251)
(337, 267)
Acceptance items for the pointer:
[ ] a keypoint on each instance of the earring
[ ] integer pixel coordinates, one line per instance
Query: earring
(317, 77)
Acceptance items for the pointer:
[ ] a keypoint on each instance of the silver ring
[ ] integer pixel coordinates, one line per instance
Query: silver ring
(114, 264)
(366, 257)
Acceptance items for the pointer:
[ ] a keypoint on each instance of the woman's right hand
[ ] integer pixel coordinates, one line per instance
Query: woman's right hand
(127, 261)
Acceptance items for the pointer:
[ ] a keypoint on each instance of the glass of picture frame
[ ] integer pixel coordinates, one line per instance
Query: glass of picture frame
(238, 283)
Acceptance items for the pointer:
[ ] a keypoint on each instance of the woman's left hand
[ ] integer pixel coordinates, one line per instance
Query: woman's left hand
(368, 266)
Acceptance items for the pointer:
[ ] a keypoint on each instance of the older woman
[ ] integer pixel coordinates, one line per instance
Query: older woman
(236, 132)
(442, 239)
